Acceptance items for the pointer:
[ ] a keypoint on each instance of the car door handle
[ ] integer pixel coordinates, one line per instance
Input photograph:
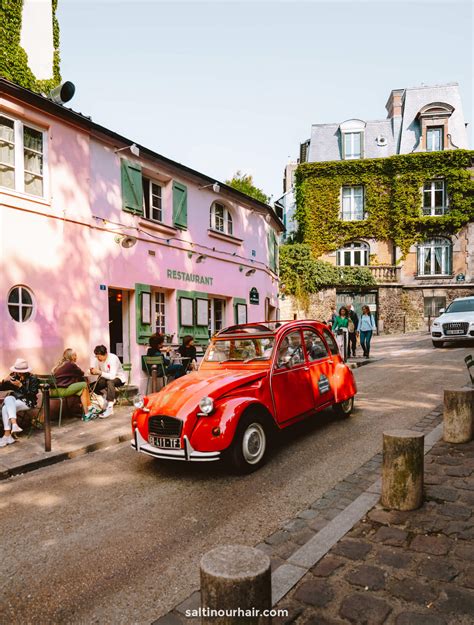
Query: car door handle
(306, 368)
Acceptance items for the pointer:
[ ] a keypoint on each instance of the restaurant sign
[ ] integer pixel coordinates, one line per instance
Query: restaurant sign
(254, 297)
(184, 276)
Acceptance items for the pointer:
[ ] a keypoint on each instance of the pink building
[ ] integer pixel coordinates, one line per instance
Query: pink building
(106, 242)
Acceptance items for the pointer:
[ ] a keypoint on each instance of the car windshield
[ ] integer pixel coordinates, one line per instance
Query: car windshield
(240, 349)
(462, 305)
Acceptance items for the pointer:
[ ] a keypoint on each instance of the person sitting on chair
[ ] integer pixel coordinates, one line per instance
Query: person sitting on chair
(156, 349)
(111, 375)
(187, 350)
(70, 381)
(24, 397)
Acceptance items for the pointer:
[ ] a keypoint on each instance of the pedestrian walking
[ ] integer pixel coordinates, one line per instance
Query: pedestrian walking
(366, 328)
(352, 329)
(340, 330)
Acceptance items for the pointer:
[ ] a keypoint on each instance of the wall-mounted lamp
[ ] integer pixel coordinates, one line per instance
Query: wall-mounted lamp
(201, 258)
(216, 187)
(125, 240)
(190, 254)
(250, 272)
(134, 149)
(241, 268)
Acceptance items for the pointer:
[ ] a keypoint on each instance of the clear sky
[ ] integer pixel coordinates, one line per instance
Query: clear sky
(223, 86)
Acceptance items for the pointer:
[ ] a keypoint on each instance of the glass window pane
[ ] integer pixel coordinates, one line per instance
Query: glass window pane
(7, 131)
(438, 198)
(347, 258)
(314, 346)
(427, 261)
(14, 312)
(14, 297)
(357, 258)
(33, 184)
(347, 145)
(356, 144)
(26, 298)
(26, 313)
(7, 177)
(7, 153)
(33, 139)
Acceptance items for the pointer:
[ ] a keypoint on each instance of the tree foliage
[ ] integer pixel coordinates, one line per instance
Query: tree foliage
(301, 273)
(244, 183)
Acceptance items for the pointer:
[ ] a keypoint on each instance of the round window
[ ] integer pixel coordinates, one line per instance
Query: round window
(20, 303)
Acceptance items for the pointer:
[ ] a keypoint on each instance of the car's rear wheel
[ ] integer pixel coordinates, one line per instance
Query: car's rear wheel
(437, 343)
(344, 408)
(249, 447)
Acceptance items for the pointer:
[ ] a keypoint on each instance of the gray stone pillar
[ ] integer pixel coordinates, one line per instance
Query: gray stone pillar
(458, 415)
(402, 470)
(235, 578)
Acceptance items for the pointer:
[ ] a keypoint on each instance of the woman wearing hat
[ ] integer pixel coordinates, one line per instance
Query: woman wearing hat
(24, 397)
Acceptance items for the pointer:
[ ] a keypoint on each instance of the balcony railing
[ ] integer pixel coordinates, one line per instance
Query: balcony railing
(385, 273)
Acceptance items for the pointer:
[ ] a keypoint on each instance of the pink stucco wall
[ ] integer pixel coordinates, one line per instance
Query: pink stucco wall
(62, 248)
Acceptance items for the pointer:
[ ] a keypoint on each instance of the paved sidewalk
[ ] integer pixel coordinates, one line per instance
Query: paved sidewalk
(346, 560)
(73, 438)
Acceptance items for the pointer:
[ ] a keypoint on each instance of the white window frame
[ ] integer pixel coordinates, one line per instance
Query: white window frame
(432, 208)
(431, 246)
(19, 162)
(351, 249)
(148, 212)
(20, 305)
(352, 214)
(430, 129)
(213, 326)
(350, 155)
(159, 312)
(227, 226)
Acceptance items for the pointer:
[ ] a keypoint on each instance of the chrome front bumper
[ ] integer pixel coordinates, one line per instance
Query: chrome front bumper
(188, 454)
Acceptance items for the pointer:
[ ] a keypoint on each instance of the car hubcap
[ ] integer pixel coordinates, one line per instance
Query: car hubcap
(347, 405)
(253, 444)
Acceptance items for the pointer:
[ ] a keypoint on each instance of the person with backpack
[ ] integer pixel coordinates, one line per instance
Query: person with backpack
(353, 322)
(366, 328)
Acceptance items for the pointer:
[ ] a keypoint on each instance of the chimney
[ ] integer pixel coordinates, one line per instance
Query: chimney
(394, 103)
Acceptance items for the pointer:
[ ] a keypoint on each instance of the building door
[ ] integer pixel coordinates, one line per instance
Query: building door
(116, 322)
(369, 298)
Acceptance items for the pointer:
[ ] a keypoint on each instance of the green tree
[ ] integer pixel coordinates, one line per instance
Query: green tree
(244, 183)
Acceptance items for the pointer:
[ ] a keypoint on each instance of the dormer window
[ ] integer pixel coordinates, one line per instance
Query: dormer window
(221, 219)
(434, 139)
(352, 139)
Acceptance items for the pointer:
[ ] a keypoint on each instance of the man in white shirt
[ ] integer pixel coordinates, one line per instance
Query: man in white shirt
(112, 375)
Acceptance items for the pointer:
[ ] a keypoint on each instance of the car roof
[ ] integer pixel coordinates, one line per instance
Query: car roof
(266, 328)
(458, 299)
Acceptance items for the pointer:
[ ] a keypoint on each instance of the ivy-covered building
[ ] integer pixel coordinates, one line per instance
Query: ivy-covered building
(395, 196)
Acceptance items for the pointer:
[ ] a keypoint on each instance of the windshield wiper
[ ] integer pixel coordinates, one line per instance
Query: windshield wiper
(256, 358)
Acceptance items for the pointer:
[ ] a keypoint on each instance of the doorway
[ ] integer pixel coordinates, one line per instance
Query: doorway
(358, 299)
(118, 338)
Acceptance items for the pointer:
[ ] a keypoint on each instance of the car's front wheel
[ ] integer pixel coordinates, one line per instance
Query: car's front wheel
(344, 408)
(249, 447)
(437, 343)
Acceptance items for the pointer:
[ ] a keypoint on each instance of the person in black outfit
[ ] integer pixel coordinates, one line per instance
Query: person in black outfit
(25, 388)
(353, 335)
(187, 350)
(156, 346)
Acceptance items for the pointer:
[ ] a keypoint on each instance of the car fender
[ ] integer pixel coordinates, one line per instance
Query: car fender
(344, 383)
(226, 417)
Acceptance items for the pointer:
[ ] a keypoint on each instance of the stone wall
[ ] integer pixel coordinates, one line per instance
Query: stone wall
(316, 306)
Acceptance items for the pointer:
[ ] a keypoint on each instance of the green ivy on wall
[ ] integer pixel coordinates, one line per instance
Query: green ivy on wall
(393, 199)
(13, 58)
(301, 273)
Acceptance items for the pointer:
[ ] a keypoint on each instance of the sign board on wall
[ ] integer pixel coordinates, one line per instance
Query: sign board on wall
(254, 296)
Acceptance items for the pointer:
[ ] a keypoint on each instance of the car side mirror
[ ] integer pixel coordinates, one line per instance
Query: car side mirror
(442, 310)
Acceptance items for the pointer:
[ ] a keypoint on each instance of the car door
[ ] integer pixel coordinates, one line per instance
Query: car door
(290, 380)
(321, 368)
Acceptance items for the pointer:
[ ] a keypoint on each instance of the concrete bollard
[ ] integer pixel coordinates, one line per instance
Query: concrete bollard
(402, 470)
(235, 586)
(458, 415)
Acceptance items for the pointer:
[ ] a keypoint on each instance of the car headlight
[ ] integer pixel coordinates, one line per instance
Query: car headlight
(140, 402)
(206, 405)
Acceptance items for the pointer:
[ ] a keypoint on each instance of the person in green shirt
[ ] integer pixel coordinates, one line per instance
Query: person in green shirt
(339, 328)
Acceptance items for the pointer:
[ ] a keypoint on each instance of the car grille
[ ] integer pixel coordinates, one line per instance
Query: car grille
(460, 325)
(164, 426)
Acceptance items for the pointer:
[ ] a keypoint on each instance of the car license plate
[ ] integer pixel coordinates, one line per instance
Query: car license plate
(164, 442)
(454, 331)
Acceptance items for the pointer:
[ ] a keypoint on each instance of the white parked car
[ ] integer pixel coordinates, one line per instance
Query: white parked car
(456, 323)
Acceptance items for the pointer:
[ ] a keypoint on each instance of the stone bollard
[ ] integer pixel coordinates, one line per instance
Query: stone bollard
(402, 470)
(235, 586)
(458, 415)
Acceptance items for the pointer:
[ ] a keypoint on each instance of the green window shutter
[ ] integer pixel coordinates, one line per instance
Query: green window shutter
(271, 241)
(144, 330)
(200, 333)
(243, 302)
(132, 189)
(180, 205)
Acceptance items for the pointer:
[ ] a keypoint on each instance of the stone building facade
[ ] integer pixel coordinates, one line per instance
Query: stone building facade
(410, 285)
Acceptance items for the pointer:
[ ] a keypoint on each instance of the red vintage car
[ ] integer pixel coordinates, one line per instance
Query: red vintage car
(253, 379)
